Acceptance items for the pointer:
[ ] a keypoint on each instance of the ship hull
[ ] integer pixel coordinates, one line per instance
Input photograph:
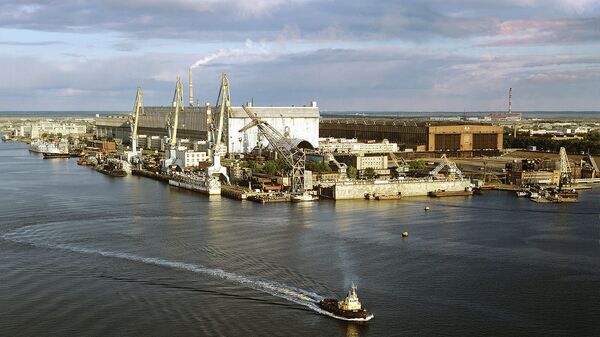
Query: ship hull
(331, 305)
(112, 173)
(49, 155)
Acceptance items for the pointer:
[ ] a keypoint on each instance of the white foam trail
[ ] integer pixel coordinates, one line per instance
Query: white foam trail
(292, 294)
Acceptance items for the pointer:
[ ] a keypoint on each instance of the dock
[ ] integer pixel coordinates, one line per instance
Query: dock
(150, 174)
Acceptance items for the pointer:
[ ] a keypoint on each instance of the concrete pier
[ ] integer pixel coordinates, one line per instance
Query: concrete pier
(408, 188)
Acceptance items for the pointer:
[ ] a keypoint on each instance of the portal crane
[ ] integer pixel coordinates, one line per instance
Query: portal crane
(172, 125)
(134, 118)
(401, 165)
(452, 168)
(566, 172)
(218, 149)
(341, 167)
(293, 156)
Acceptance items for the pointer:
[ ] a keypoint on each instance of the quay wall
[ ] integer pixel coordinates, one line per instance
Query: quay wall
(358, 190)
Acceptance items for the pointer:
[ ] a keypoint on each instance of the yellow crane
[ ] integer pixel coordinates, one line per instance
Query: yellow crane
(172, 125)
(445, 162)
(138, 110)
(219, 149)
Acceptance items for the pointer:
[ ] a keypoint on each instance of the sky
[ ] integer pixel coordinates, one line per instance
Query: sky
(348, 55)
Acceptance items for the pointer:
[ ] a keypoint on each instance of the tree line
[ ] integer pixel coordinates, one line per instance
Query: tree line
(590, 143)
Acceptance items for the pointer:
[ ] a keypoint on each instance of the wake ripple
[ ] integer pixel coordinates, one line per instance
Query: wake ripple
(293, 294)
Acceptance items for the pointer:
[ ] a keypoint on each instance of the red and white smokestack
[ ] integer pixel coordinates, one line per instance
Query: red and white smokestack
(191, 89)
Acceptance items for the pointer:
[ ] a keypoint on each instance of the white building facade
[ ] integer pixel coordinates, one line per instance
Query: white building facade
(343, 145)
(293, 122)
(37, 129)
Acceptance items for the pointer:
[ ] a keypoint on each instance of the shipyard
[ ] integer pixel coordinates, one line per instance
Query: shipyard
(299, 168)
(278, 154)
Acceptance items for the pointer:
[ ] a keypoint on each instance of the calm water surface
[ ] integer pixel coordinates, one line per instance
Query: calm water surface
(86, 254)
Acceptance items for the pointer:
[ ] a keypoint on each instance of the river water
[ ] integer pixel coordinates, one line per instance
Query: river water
(89, 255)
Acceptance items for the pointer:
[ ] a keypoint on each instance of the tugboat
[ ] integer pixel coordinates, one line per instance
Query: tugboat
(348, 309)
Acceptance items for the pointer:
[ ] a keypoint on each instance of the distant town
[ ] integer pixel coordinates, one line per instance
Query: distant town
(293, 153)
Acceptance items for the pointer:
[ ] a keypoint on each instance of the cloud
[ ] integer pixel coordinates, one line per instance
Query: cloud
(300, 20)
(346, 54)
(370, 79)
(31, 43)
(541, 32)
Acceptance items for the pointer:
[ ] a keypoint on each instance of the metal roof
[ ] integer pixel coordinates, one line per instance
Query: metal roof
(277, 112)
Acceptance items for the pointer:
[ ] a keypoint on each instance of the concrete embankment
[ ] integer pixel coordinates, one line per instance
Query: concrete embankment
(358, 190)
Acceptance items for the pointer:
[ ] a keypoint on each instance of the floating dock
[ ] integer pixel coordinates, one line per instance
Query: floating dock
(196, 183)
(406, 188)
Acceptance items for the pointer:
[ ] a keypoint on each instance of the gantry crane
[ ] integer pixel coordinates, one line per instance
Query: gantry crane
(566, 172)
(172, 125)
(138, 110)
(402, 166)
(219, 149)
(293, 156)
(452, 168)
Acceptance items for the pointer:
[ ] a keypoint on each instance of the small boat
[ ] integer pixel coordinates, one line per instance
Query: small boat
(304, 197)
(349, 308)
(427, 208)
(522, 194)
(444, 193)
(568, 193)
(388, 196)
(113, 172)
(114, 168)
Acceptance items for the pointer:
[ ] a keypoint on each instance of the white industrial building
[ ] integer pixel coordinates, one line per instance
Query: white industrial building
(343, 145)
(37, 129)
(192, 158)
(294, 122)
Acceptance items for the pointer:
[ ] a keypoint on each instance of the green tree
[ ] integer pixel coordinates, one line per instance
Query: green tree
(369, 172)
(317, 166)
(351, 172)
(417, 165)
(593, 136)
(251, 164)
(273, 167)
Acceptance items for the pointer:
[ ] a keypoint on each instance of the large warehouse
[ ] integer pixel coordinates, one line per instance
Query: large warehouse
(192, 124)
(294, 122)
(420, 136)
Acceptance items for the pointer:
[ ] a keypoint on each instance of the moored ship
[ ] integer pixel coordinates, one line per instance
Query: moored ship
(349, 308)
(50, 149)
(114, 168)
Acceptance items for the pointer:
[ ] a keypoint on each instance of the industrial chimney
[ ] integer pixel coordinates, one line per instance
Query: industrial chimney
(510, 100)
(191, 89)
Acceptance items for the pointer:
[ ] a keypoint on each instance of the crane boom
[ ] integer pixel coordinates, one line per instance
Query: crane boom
(401, 165)
(172, 125)
(224, 103)
(218, 149)
(452, 168)
(293, 156)
(134, 118)
(173, 118)
(135, 115)
(565, 168)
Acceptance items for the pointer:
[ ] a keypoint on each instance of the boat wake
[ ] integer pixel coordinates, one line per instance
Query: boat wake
(296, 295)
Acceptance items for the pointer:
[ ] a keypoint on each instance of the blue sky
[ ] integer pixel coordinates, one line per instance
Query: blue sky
(428, 55)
